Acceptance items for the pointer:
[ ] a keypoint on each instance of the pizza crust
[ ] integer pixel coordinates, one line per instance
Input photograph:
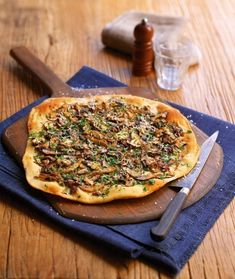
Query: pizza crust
(35, 123)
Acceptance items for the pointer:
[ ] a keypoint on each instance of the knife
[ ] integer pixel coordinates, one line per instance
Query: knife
(168, 218)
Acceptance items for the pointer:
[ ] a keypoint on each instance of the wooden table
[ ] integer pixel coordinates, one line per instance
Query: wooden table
(66, 35)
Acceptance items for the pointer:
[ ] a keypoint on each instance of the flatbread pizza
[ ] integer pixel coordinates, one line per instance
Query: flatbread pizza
(98, 149)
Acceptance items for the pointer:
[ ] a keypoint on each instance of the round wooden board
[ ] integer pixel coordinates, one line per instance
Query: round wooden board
(120, 211)
(147, 208)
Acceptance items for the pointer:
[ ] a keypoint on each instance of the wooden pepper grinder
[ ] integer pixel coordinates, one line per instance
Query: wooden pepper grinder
(143, 55)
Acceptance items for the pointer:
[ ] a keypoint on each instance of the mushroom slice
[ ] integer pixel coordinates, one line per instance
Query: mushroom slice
(141, 176)
(147, 176)
(101, 142)
(135, 139)
(49, 177)
(94, 165)
(83, 171)
(96, 134)
(73, 167)
(88, 181)
(132, 173)
(91, 188)
(49, 152)
(103, 171)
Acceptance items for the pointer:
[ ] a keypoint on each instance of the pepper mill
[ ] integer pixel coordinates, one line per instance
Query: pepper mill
(143, 49)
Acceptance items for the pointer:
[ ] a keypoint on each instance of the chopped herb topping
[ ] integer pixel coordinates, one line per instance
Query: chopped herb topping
(99, 145)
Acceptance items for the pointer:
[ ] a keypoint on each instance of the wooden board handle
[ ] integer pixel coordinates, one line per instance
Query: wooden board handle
(38, 69)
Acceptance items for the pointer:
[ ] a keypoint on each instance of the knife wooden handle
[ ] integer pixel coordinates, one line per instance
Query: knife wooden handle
(37, 68)
(168, 218)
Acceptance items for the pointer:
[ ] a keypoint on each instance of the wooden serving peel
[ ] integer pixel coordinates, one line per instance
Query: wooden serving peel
(115, 212)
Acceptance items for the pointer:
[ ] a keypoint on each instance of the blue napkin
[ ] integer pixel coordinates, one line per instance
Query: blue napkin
(193, 223)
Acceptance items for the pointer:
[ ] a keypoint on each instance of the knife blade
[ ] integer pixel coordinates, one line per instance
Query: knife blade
(186, 183)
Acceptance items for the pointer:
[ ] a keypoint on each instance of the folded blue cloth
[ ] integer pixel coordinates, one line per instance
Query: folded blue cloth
(193, 223)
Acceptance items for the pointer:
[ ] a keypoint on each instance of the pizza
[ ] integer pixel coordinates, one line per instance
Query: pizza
(102, 148)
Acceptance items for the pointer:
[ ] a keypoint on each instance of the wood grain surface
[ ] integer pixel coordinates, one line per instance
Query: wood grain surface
(66, 35)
